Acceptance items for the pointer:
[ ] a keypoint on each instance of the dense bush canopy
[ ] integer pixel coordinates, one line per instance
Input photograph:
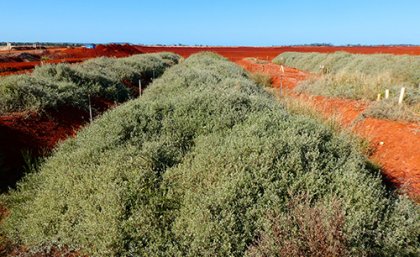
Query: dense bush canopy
(401, 68)
(55, 85)
(194, 168)
(361, 76)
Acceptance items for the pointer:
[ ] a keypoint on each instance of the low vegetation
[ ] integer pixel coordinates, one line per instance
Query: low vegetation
(56, 85)
(262, 79)
(333, 122)
(358, 76)
(303, 229)
(207, 163)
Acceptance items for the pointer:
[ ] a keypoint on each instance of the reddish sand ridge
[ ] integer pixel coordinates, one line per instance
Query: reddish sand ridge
(67, 55)
(268, 53)
(35, 133)
(395, 144)
(233, 53)
(38, 133)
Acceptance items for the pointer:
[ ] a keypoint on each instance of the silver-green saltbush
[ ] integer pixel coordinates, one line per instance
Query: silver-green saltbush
(361, 76)
(193, 167)
(57, 85)
(402, 68)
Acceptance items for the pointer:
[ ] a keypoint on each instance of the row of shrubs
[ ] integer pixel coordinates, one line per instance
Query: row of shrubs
(56, 85)
(207, 163)
(359, 76)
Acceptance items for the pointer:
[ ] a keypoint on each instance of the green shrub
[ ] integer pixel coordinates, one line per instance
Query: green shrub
(262, 79)
(399, 68)
(358, 76)
(390, 109)
(303, 230)
(193, 168)
(52, 86)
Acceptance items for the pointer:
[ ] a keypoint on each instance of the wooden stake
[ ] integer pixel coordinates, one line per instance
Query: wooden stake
(386, 93)
(400, 100)
(378, 98)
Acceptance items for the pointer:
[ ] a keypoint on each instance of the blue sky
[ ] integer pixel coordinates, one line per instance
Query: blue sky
(213, 22)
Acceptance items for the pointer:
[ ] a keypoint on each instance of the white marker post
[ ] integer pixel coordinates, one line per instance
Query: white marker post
(139, 87)
(378, 98)
(386, 93)
(281, 80)
(400, 100)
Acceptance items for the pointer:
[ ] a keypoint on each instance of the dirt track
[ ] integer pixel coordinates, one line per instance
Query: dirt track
(395, 145)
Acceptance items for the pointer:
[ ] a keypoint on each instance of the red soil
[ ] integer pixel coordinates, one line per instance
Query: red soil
(268, 53)
(78, 54)
(67, 55)
(62, 122)
(111, 50)
(35, 134)
(395, 145)
(22, 67)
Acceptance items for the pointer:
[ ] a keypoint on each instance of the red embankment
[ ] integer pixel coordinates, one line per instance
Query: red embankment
(268, 53)
(10, 65)
(37, 134)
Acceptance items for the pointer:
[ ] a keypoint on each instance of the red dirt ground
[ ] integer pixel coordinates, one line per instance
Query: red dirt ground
(268, 53)
(60, 55)
(9, 68)
(37, 134)
(395, 145)
(79, 54)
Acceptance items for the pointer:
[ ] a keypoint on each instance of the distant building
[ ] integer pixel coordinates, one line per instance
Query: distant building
(90, 46)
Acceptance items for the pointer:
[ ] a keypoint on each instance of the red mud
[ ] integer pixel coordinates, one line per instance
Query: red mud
(395, 145)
